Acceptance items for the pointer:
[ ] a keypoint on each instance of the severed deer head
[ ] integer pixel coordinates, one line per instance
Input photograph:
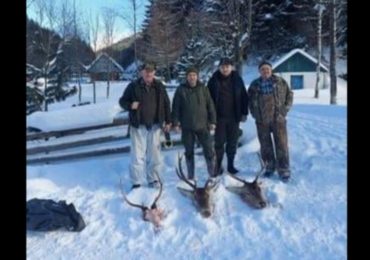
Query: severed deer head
(201, 196)
(153, 214)
(251, 192)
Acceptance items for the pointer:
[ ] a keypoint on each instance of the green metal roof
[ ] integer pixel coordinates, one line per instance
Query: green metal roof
(297, 61)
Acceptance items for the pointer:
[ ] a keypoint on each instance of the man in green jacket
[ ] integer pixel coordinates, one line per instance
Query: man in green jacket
(193, 110)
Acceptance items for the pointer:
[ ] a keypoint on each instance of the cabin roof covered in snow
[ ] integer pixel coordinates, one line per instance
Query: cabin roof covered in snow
(294, 57)
(96, 66)
(80, 66)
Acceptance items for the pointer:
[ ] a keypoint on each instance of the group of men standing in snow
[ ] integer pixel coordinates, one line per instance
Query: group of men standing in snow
(198, 110)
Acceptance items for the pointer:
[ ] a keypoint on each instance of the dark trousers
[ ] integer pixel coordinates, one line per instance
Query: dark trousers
(204, 138)
(280, 138)
(227, 132)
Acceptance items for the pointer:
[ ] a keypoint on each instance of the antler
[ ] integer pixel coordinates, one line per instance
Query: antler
(263, 167)
(181, 175)
(154, 204)
(143, 208)
(237, 178)
(258, 174)
(213, 185)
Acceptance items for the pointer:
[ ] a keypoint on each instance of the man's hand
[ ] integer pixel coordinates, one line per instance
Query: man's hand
(212, 127)
(135, 105)
(167, 128)
(244, 118)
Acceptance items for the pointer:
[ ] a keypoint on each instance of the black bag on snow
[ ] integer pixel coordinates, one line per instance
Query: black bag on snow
(48, 215)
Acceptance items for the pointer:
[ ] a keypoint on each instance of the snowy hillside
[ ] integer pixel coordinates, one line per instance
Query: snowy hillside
(306, 218)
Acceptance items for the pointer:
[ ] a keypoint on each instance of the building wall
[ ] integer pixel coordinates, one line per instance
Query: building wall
(103, 76)
(309, 78)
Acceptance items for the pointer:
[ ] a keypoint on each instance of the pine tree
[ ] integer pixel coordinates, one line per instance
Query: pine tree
(166, 33)
(272, 32)
(55, 72)
(34, 96)
(162, 41)
(220, 27)
(342, 26)
(199, 51)
(228, 28)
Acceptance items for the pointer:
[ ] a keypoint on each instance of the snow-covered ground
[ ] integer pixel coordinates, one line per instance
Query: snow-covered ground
(306, 219)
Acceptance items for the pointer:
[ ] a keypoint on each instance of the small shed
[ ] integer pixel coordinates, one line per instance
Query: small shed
(103, 67)
(298, 68)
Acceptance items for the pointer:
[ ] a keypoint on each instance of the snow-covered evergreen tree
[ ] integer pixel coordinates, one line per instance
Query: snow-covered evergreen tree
(271, 33)
(199, 50)
(34, 97)
(342, 27)
(53, 87)
(232, 28)
(57, 89)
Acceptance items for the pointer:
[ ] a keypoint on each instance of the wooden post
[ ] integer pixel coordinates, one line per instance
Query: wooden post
(320, 10)
(94, 91)
(333, 73)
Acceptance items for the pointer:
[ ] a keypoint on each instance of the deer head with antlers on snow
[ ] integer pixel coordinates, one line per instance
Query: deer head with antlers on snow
(152, 214)
(201, 196)
(251, 192)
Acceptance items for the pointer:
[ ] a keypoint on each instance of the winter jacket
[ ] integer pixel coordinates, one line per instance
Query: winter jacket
(134, 92)
(193, 107)
(282, 96)
(48, 215)
(239, 93)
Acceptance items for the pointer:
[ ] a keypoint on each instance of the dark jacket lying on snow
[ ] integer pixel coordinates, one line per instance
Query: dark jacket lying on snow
(48, 215)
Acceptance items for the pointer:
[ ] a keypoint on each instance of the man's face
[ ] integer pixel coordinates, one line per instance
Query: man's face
(265, 71)
(148, 75)
(226, 69)
(192, 78)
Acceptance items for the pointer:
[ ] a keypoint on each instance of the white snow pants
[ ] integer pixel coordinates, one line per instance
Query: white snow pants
(145, 153)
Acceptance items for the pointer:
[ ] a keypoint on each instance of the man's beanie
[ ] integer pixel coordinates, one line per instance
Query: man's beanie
(264, 63)
(148, 66)
(192, 69)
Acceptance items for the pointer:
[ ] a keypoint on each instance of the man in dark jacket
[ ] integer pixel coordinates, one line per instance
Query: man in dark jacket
(231, 100)
(270, 99)
(193, 110)
(149, 109)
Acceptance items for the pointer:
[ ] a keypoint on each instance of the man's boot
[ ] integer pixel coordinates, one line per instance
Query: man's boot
(230, 165)
(284, 175)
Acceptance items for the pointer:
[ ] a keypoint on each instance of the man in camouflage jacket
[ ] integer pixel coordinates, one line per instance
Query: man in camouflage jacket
(270, 99)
